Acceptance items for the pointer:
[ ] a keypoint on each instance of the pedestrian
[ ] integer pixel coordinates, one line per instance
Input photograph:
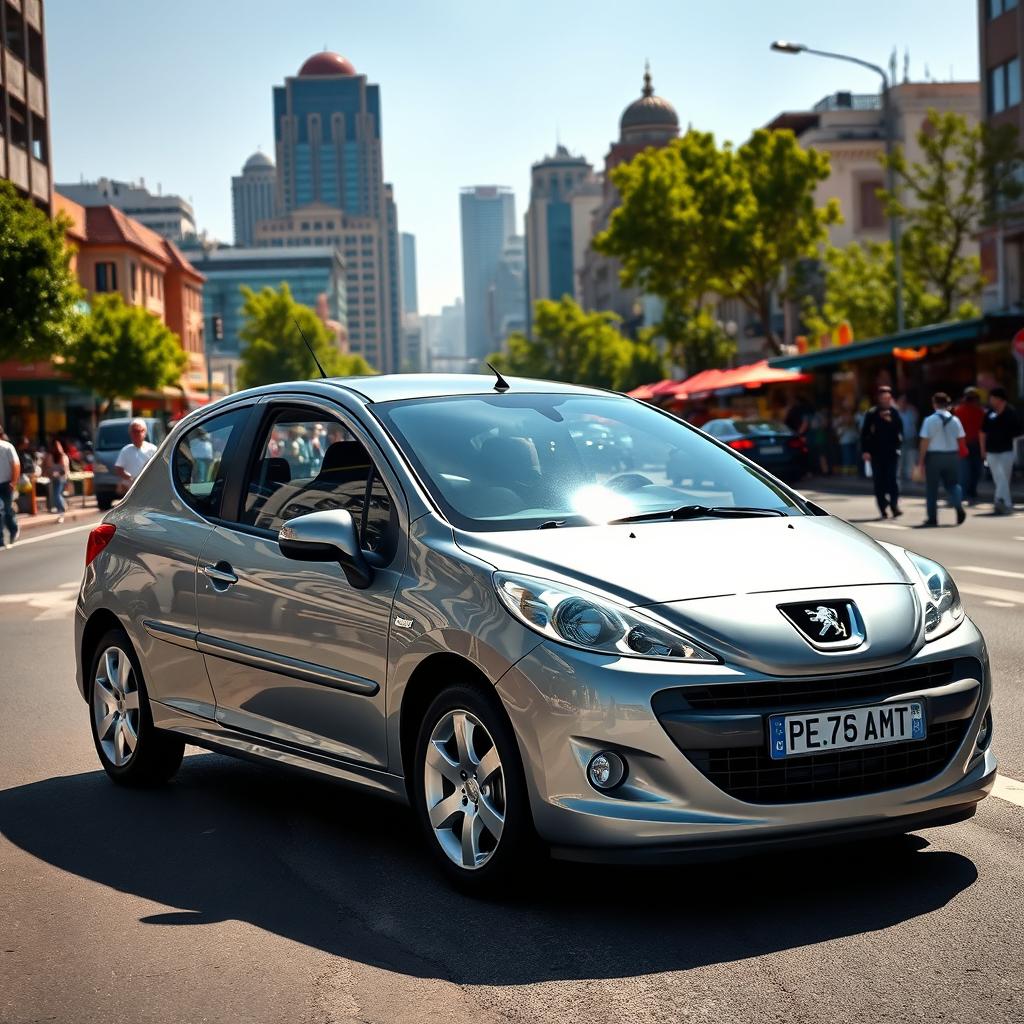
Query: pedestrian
(970, 413)
(1000, 427)
(938, 458)
(847, 436)
(909, 420)
(135, 454)
(881, 438)
(57, 466)
(10, 474)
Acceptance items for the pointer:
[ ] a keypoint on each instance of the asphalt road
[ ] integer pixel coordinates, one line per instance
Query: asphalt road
(240, 893)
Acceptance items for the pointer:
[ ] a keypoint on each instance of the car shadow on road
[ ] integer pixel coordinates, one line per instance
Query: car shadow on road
(345, 873)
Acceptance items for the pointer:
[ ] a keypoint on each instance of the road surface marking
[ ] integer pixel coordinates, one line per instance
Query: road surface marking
(1007, 573)
(996, 593)
(1009, 789)
(51, 604)
(59, 532)
(999, 604)
(887, 526)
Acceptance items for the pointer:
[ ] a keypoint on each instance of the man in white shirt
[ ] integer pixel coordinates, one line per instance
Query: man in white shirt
(939, 458)
(135, 454)
(10, 474)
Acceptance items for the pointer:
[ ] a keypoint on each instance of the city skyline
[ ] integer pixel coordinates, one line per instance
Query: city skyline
(471, 114)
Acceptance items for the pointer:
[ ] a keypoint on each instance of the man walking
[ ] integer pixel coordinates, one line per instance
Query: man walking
(10, 474)
(135, 454)
(938, 458)
(881, 437)
(970, 414)
(999, 428)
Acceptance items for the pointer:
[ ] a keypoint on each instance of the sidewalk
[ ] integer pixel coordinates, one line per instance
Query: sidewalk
(840, 484)
(75, 513)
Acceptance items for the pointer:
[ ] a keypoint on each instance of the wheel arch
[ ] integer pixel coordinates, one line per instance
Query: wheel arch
(98, 624)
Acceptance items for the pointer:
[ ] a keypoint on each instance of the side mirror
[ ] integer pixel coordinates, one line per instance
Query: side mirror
(328, 536)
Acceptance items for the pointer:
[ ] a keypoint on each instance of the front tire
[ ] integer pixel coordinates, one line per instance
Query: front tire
(131, 749)
(469, 791)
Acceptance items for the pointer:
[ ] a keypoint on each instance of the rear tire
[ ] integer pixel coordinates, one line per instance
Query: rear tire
(131, 749)
(469, 791)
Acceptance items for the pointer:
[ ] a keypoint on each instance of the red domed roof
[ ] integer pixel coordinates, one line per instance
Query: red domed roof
(326, 63)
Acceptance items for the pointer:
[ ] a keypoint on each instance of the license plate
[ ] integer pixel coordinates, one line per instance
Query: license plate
(817, 731)
(771, 449)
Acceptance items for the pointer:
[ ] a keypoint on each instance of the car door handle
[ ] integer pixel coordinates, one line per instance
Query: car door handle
(219, 574)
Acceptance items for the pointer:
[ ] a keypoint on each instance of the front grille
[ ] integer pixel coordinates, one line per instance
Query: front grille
(750, 774)
(783, 694)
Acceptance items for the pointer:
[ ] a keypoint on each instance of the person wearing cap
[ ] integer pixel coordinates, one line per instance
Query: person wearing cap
(999, 430)
(970, 413)
(881, 437)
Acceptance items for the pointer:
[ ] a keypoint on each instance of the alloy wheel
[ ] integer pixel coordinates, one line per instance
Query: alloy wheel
(465, 789)
(115, 706)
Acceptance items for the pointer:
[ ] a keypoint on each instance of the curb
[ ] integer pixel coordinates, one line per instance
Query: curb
(31, 523)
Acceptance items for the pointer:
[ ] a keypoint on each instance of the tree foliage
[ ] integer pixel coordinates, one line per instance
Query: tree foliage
(273, 349)
(123, 349)
(696, 219)
(38, 289)
(571, 345)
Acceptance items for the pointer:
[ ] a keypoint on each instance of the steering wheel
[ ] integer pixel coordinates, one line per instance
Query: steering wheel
(626, 482)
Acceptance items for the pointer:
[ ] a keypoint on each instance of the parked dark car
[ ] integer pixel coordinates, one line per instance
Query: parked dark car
(767, 442)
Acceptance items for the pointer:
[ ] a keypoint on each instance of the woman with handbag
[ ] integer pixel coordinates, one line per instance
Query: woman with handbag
(942, 444)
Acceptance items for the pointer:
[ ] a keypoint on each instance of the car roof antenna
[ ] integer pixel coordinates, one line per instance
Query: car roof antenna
(310, 347)
(500, 384)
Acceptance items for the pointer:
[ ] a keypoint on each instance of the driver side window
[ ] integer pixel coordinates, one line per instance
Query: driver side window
(310, 463)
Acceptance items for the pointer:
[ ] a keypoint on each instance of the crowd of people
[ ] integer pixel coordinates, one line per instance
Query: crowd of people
(891, 444)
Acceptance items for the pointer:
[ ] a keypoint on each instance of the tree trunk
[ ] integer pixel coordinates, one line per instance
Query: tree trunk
(764, 307)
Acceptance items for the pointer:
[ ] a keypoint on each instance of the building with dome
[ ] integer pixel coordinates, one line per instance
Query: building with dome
(564, 193)
(253, 194)
(648, 121)
(327, 141)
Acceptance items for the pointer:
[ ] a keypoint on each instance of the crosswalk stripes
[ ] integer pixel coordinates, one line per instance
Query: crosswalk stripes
(1009, 789)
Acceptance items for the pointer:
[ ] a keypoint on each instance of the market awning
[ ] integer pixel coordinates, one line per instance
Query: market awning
(699, 383)
(754, 375)
(921, 337)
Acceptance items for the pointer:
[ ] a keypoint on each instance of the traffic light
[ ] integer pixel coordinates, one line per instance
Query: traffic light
(218, 327)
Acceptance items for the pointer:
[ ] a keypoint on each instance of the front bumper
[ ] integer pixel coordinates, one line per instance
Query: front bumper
(566, 705)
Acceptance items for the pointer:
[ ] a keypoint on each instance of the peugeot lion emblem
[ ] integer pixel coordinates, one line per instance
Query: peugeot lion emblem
(828, 619)
(827, 625)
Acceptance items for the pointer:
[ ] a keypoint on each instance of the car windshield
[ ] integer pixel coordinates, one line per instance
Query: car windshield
(760, 428)
(508, 462)
(112, 435)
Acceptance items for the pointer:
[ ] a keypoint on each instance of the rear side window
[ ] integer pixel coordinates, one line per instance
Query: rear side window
(306, 465)
(199, 464)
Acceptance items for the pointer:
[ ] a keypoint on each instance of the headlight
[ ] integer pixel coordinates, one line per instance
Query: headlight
(582, 620)
(943, 609)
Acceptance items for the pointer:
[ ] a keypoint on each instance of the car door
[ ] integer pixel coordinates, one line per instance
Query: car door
(294, 652)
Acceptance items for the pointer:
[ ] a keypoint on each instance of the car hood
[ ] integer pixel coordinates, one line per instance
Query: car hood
(654, 563)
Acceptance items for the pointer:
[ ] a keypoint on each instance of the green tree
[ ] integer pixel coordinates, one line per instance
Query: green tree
(123, 349)
(273, 349)
(38, 289)
(571, 345)
(961, 182)
(697, 219)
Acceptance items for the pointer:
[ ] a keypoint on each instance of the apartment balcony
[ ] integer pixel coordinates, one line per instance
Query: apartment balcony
(18, 170)
(40, 180)
(14, 75)
(34, 14)
(36, 94)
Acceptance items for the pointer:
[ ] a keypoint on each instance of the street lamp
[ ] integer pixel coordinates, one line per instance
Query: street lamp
(784, 46)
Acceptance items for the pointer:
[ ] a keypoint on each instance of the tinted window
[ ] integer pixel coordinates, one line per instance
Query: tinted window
(308, 465)
(502, 462)
(199, 464)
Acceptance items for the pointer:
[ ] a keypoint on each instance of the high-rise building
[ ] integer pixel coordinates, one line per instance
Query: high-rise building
(169, 216)
(444, 338)
(563, 197)
(253, 194)
(410, 300)
(327, 132)
(24, 101)
(1001, 39)
(488, 218)
(648, 121)
(506, 298)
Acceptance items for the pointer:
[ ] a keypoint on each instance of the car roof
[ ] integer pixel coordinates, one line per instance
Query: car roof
(394, 387)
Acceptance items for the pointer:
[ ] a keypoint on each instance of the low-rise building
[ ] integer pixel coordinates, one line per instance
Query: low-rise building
(168, 215)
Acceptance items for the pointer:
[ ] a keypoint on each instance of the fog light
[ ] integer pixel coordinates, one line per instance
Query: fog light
(984, 733)
(606, 770)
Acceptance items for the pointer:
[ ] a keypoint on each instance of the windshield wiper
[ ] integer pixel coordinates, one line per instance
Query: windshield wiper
(551, 524)
(699, 512)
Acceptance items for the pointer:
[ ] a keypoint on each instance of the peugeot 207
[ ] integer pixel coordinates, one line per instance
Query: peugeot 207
(428, 586)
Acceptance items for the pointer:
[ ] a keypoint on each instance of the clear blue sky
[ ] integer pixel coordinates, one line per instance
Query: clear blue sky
(472, 92)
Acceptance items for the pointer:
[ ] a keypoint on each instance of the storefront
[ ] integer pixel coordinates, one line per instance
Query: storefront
(38, 404)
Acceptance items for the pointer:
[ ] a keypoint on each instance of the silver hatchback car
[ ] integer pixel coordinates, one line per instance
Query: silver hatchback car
(433, 587)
